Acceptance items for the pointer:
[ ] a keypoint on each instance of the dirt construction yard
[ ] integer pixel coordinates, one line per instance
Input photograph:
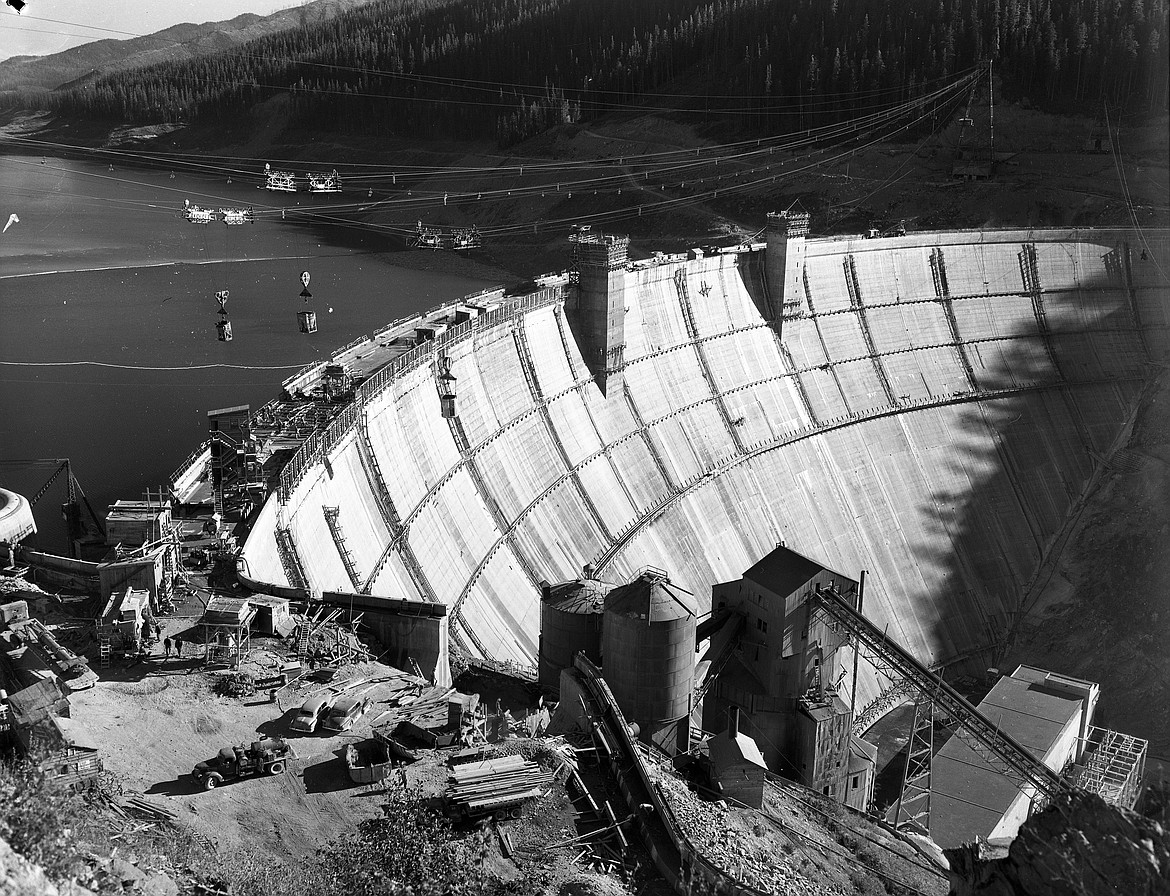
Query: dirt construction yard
(155, 720)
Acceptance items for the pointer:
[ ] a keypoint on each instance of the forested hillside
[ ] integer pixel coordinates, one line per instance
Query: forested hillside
(171, 44)
(468, 67)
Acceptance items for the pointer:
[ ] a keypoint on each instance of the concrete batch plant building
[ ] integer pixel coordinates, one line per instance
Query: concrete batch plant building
(927, 407)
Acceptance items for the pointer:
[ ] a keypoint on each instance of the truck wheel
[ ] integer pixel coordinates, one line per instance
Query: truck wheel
(277, 768)
(211, 782)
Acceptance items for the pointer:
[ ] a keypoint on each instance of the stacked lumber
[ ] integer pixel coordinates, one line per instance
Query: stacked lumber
(480, 788)
(144, 807)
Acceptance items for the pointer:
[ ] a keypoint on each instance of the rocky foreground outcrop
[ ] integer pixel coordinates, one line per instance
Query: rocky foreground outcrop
(1079, 846)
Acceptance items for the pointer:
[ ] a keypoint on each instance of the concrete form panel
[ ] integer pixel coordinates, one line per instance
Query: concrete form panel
(995, 317)
(404, 478)
(610, 413)
(654, 319)
(929, 373)
(803, 341)
(574, 427)
(427, 435)
(979, 270)
(359, 519)
(1100, 407)
(315, 543)
(394, 580)
(559, 535)
(843, 337)
(1011, 363)
(741, 358)
(635, 465)
(428, 539)
(719, 300)
(604, 488)
(476, 414)
(460, 508)
(669, 438)
(693, 441)
(262, 561)
(519, 464)
(667, 382)
(1084, 309)
(823, 394)
(826, 283)
(554, 373)
(877, 275)
(859, 380)
(912, 269)
(768, 410)
(502, 609)
(900, 327)
(1099, 355)
(505, 386)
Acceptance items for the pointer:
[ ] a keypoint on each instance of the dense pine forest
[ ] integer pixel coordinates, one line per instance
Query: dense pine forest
(516, 67)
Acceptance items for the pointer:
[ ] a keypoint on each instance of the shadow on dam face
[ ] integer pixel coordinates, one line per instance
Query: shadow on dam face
(1072, 379)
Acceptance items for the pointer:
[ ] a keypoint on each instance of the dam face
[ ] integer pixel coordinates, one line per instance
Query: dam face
(930, 408)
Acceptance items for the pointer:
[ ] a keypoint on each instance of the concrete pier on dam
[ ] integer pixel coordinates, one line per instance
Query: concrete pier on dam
(930, 408)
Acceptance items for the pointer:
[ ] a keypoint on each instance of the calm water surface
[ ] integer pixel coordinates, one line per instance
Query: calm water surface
(102, 267)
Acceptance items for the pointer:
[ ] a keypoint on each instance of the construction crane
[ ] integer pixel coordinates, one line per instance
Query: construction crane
(74, 487)
(934, 696)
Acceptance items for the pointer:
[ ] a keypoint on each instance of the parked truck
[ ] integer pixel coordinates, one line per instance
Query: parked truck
(263, 757)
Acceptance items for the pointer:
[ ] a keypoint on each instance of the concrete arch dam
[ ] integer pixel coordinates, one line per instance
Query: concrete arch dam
(930, 408)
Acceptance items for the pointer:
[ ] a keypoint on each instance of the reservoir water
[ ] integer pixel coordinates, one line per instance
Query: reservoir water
(108, 351)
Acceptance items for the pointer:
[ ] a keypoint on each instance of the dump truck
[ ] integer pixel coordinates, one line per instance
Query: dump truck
(263, 757)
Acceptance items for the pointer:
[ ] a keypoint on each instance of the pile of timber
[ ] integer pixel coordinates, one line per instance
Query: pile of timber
(426, 707)
(142, 807)
(482, 788)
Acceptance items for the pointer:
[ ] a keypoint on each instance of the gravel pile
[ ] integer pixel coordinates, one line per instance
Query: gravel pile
(739, 842)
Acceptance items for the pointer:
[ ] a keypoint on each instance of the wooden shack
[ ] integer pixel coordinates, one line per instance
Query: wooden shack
(227, 628)
(737, 766)
(272, 615)
(122, 618)
(135, 523)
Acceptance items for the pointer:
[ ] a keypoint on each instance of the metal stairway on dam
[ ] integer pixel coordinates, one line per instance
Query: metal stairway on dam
(331, 515)
(942, 294)
(1000, 750)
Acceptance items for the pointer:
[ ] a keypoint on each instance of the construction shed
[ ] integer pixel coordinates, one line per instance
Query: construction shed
(273, 616)
(737, 766)
(147, 573)
(227, 627)
(135, 523)
(122, 618)
(1049, 715)
(73, 755)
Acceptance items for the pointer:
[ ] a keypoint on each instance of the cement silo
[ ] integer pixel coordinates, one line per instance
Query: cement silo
(648, 656)
(570, 620)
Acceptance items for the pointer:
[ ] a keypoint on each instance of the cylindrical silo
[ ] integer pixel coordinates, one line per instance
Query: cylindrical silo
(570, 620)
(648, 656)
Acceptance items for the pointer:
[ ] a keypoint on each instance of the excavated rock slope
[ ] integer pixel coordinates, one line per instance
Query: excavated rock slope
(1078, 847)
